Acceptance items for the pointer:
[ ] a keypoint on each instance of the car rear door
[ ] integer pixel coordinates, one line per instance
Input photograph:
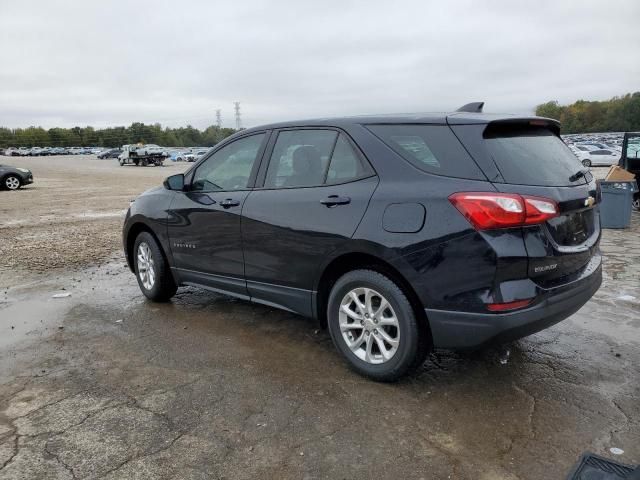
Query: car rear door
(529, 158)
(313, 193)
(204, 220)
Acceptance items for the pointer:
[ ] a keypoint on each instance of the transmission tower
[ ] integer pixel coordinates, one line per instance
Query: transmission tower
(238, 121)
(218, 118)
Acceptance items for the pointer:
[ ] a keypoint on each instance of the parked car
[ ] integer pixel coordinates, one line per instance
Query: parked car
(111, 153)
(12, 178)
(176, 156)
(11, 152)
(35, 152)
(199, 154)
(604, 157)
(400, 234)
(75, 151)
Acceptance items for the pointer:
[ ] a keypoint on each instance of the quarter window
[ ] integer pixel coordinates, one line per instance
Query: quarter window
(230, 167)
(431, 148)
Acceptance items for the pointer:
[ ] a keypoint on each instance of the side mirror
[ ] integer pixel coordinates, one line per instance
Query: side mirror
(174, 182)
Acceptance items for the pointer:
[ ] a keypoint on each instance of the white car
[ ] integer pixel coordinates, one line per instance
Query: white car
(151, 149)
(604, 157)
(583, 156)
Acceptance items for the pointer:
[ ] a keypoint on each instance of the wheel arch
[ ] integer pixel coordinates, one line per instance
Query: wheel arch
(132, 233)
(359, 260)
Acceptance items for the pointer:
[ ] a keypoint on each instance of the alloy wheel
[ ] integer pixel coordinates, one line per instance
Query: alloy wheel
(12, 183)
(146, 266)
(369, 325)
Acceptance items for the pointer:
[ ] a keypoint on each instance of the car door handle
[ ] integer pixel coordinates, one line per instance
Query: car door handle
(229, 202)
(333, 200)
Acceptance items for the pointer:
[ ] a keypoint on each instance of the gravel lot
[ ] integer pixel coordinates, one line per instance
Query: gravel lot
(71, 216)
(103, 384)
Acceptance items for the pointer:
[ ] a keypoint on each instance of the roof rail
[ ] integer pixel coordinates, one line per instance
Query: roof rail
(473, 107)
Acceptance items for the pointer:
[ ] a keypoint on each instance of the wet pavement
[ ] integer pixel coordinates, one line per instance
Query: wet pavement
(103, 384)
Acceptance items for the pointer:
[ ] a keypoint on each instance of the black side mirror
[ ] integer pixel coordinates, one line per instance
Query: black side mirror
(174, 182)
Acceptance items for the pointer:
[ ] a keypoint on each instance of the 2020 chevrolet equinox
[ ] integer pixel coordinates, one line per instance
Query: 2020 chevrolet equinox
(399, 233)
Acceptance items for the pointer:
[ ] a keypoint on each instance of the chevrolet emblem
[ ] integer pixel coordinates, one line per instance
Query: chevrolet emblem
(589, 201)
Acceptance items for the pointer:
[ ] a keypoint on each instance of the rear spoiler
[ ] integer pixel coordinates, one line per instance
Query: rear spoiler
(540, 122)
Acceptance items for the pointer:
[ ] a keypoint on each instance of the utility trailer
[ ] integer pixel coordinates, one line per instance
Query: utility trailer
(142, 155)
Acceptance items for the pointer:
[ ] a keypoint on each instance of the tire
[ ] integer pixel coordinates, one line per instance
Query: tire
(152, 270)
(410, 350)
(11, 182)
(586, 162)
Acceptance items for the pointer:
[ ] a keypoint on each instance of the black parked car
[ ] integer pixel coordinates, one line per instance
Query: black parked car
(401, 234)
(111, 153)
(12, 178)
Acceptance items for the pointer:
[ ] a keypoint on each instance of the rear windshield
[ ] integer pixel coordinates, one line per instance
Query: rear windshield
(431, 148)
(528, 155)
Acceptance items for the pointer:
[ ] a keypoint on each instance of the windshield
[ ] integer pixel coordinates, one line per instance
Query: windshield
(528, 155)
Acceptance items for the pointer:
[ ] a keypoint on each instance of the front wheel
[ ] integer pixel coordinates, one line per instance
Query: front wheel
(373, 325)
(152, 270)
(12, 182)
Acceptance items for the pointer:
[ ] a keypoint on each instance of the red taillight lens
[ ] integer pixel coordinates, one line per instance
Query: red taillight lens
(487, 210)
(503, 307)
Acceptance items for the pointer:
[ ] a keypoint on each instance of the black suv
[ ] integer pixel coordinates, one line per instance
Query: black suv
(401, 234)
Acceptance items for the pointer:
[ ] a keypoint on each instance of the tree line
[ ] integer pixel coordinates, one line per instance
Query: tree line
(618, 114)
(614, 115)
(113, 136)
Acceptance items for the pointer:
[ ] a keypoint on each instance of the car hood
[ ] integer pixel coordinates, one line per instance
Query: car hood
(8, 168)
(153, 191)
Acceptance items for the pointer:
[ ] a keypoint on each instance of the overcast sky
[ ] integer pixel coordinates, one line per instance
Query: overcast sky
(66, 63)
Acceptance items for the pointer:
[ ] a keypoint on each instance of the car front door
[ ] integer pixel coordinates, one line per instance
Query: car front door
(204, 220)
(309, 202)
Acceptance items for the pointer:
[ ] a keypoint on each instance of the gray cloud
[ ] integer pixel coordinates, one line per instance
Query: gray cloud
(68, 63)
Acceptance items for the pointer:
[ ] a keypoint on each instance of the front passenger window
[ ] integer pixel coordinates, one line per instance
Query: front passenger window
(230, 167)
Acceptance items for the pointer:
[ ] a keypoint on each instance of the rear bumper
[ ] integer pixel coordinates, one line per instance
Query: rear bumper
(465, 330)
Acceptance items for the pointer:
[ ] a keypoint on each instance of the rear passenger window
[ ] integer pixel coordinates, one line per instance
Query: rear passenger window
(308, 158)
(346, 163)
(300, 158)
(431, 148)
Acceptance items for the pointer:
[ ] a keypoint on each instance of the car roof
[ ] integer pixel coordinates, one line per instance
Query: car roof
(452, 118)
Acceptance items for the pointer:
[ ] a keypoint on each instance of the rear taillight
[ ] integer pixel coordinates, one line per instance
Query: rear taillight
(487, 210)
(505, 307)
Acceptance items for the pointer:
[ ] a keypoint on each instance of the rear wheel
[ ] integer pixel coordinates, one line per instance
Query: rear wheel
(152, 270)
(12, 182)
(373, 325)
(586, 162)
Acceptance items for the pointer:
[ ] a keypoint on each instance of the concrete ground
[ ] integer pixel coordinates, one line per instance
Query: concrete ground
(103, 384)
